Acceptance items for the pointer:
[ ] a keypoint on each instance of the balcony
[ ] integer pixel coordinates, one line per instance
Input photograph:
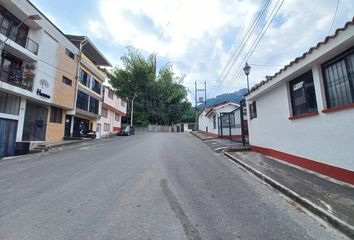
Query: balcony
(18, 35)
(19, 77)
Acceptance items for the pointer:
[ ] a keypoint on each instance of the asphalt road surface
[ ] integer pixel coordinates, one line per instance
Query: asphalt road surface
(146, 186)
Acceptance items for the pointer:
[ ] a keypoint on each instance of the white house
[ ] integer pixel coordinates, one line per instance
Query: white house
(113, 109)
(221, 120)
(304, 114)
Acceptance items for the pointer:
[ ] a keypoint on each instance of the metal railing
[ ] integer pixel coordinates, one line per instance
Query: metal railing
(17, 76)
(13, 34)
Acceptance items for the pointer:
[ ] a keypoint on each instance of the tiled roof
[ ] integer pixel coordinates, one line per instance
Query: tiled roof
(211, 108)
(296, 60)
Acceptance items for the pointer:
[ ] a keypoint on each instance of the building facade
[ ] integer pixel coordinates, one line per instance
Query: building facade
(38, 77)
(304, 114)
(89, 94)
(113, 109)
(221, 120)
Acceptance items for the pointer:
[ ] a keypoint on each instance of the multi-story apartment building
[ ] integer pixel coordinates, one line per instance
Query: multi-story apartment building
(89, 93)
(113, 108)
(38, 71)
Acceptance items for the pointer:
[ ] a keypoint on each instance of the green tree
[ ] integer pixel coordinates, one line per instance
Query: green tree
(155, 98)
(135, 76)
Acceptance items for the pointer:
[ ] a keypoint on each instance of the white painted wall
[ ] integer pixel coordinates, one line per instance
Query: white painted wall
(207, 121)
(326, 137)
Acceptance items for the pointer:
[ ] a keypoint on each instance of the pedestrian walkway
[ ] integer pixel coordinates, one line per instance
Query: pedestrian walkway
(330, 199)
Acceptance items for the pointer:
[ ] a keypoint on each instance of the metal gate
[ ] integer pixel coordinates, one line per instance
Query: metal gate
(8, 130)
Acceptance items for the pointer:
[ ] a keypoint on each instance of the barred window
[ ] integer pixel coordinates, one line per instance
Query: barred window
(338, 74)
(253, 110)
(302, 93)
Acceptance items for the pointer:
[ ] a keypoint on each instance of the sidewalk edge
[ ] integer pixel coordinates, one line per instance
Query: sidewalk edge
(341, 225)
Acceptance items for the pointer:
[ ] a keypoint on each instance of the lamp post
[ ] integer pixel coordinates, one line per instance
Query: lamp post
(247, 69)
(29, 17)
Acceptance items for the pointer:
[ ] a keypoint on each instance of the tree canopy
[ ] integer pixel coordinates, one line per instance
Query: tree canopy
(158, 98)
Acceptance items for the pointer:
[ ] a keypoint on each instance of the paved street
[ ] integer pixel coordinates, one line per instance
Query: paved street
(146, 186)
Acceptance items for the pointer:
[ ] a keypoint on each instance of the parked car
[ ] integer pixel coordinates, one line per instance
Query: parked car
(127, 131)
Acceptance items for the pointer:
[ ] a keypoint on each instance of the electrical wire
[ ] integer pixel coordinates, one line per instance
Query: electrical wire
(236, 53)
(254, 46)
(334, 17)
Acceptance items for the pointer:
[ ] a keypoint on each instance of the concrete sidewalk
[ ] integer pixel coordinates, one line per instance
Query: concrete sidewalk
(331, 200)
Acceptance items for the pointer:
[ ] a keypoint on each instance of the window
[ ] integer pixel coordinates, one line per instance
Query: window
(302, 93)
(67, 81)
(84, 78)
(9, 104)
(338, 74)
(69, 53)
(56, 115)
(122, 103)
(253, 110)
(214, 121)
(227, 120)
(106, 127)
(82, 100)
(104, 112)
(96, 86)
(117, 117)
(93, 105)
(110, 93)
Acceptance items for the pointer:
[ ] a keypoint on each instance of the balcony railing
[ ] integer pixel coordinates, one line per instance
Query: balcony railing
(20, 77)
(12, 33)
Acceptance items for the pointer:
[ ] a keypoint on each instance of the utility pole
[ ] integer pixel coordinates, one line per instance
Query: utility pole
(197, 100)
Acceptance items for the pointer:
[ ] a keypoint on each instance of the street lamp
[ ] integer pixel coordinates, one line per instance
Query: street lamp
(247, 69)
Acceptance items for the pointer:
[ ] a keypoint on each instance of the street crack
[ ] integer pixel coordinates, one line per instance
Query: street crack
(191, 232)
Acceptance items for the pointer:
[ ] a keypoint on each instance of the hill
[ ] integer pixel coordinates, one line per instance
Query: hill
(233, 97)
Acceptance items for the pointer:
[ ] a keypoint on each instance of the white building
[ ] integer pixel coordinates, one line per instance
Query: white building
(37, 77)
(113, 109)
(221, 120)
(304, 114)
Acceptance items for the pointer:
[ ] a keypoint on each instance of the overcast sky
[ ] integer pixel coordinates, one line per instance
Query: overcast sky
(199, 37)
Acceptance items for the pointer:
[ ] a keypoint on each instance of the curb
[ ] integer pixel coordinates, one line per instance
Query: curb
(203, 139)
(344, 227)
(65, 144)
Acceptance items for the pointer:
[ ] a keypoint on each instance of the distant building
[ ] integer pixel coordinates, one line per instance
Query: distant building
(113, 109)
(304, 114)
(89, 93)
(221, 120)
(37, 77)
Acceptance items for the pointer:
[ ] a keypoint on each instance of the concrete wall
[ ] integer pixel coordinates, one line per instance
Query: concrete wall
(64, 94)
(326, 137)
(55, 131)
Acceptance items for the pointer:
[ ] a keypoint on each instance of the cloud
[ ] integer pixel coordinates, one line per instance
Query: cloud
(201, 36)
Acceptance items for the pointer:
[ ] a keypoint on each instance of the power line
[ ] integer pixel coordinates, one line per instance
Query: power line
(236, 53)
(253, 48)
(239, 67)
(334, 17)
(267, 65)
